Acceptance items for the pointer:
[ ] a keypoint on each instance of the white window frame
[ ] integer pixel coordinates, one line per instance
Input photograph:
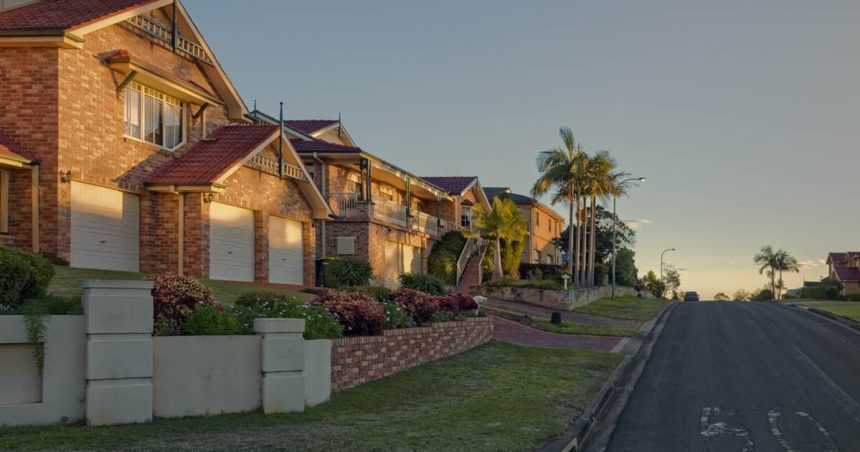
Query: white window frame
(387, 190)
(353, 183)
(165, 99)
(4, 201)
(466, 216)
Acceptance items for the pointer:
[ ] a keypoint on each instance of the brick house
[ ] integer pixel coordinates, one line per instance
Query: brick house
(124, 146)
(464, 193)
(844, 270)
(545, 226)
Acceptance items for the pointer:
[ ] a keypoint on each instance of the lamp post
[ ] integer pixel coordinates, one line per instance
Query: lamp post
(661, 262)
(615, 228)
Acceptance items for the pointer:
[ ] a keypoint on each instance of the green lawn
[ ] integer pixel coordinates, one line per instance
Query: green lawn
(632, 308)
(850, 309)
(67, 283)
(567, 326)
(497, 397)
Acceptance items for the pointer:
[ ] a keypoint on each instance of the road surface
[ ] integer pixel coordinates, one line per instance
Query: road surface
(746, 377)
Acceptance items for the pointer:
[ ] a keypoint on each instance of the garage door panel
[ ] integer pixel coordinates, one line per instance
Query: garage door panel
(105, 228)
(286, 251)
(231, 243)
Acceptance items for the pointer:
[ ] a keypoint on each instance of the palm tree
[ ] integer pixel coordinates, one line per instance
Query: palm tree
(784, 262)
(561, 169)
(599, 182)
(502, 222)
(767, 261)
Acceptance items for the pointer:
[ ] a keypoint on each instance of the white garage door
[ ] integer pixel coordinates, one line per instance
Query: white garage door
(285, 251)
(391, 273)
(411, 259)
(231, 243)
(105, 227)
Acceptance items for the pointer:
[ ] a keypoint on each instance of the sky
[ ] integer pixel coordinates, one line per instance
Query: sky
(743, 116)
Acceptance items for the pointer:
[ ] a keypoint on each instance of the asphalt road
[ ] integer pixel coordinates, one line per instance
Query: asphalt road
(746, 377)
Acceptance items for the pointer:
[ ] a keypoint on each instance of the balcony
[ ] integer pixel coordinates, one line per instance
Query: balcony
(270, 165)
(351, 206)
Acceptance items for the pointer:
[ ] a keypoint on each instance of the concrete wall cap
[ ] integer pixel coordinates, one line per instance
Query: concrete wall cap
(279, 325)
(115, 284)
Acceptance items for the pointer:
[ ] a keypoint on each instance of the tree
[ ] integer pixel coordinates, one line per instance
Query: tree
(625, 237)
(767, 261)
(625, 268)
(561, 169)
(502, 223)
(721, 297)
(784, 262)
(741, 295)
(652, 283)
(600, 182)
(764, 294)
(671, 278)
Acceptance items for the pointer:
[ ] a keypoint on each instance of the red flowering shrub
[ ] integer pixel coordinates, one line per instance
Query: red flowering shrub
(465, 302)
(448, 303)
(174, 298)
(421, 306)
(359, 313)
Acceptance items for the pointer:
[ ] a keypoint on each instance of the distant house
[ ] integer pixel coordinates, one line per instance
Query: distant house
(545, 225)
(845, 271)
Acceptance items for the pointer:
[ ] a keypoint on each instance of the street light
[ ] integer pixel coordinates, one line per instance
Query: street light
(614, 228)
(661, 262)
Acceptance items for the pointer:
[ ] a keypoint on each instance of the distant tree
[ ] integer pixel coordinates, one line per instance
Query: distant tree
(785, 262)
(651, 282)
(768, 261)
(624, 238)
(764, 294)
(671, 279)
(741, 295)
(721, 297)
(625, 268)
(503, 223)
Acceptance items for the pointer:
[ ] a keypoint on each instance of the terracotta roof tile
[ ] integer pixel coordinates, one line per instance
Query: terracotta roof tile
(10, 149)
(62, 15)
(847, 273)
(209, 159)
(451, 184)
(309, 126)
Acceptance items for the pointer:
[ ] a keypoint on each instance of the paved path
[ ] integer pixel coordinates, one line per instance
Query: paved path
(566, 315)
(510, 331)
(746, 377)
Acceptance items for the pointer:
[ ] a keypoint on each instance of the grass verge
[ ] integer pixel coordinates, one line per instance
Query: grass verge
(496, 397)
(67, 283)
(567, 326)
(632, 308)
(849, 309)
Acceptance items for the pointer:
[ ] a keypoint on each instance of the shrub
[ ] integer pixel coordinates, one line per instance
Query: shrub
(396, 316)
(175, 297)
(541, 271)
(359, 314)
(319, 323)
(379, 293)
(448, 304)
(22, 276)
(465, 302)
(340, 273)
(763, 295)
(444, 316)
(442, 260)
(424, 283)
(852, 297)
(211, 321)
(420, 306)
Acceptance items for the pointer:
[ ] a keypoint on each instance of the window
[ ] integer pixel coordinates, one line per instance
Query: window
(466, 217)
(387, 192)
(153, 117)
(353, 183)
(537, 256)
(549, 259)
(4, 202)
(416, 204)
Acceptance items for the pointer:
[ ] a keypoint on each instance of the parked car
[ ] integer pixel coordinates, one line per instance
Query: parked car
(691, 296)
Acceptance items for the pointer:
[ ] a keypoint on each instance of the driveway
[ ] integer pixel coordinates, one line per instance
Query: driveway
(517, 333)
(746, 377)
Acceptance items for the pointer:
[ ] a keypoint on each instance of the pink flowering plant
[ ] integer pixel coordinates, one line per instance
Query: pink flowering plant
(175, 297)
(421, 306)
(358, 312)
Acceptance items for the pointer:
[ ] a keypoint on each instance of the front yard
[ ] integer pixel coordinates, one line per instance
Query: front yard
(566, 327)
(496, 397)
(67, 283)
(632, 308)
(847, 309)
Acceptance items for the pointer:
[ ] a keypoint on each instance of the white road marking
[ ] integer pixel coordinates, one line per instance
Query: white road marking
(709, 430)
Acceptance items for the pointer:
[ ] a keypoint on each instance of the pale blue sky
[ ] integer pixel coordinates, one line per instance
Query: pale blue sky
(742, 115)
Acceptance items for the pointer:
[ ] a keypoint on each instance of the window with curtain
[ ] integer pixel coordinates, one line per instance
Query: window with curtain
(153, 117)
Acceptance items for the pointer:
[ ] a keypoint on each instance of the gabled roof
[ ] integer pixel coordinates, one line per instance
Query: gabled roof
(452, 184)
(841, 257)
(62, 15)
(305, 146)
(209, 160)
(310, 126)
(496, 192)
(847, 273)
(10, 150)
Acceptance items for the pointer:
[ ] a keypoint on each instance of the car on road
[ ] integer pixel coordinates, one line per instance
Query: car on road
(691, 296)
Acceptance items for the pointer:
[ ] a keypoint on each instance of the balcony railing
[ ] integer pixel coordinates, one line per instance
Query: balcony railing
(269, 165)
(422, 222)
(164, 35)
(389, 211)
(346, 204)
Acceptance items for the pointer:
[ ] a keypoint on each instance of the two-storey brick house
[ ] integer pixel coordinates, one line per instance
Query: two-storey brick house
(545, 226)
(844, 270)
(124, 146)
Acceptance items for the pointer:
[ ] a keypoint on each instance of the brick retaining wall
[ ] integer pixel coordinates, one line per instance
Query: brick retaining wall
(357, 360)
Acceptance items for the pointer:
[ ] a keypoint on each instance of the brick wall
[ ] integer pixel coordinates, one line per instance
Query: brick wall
(357, 360)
